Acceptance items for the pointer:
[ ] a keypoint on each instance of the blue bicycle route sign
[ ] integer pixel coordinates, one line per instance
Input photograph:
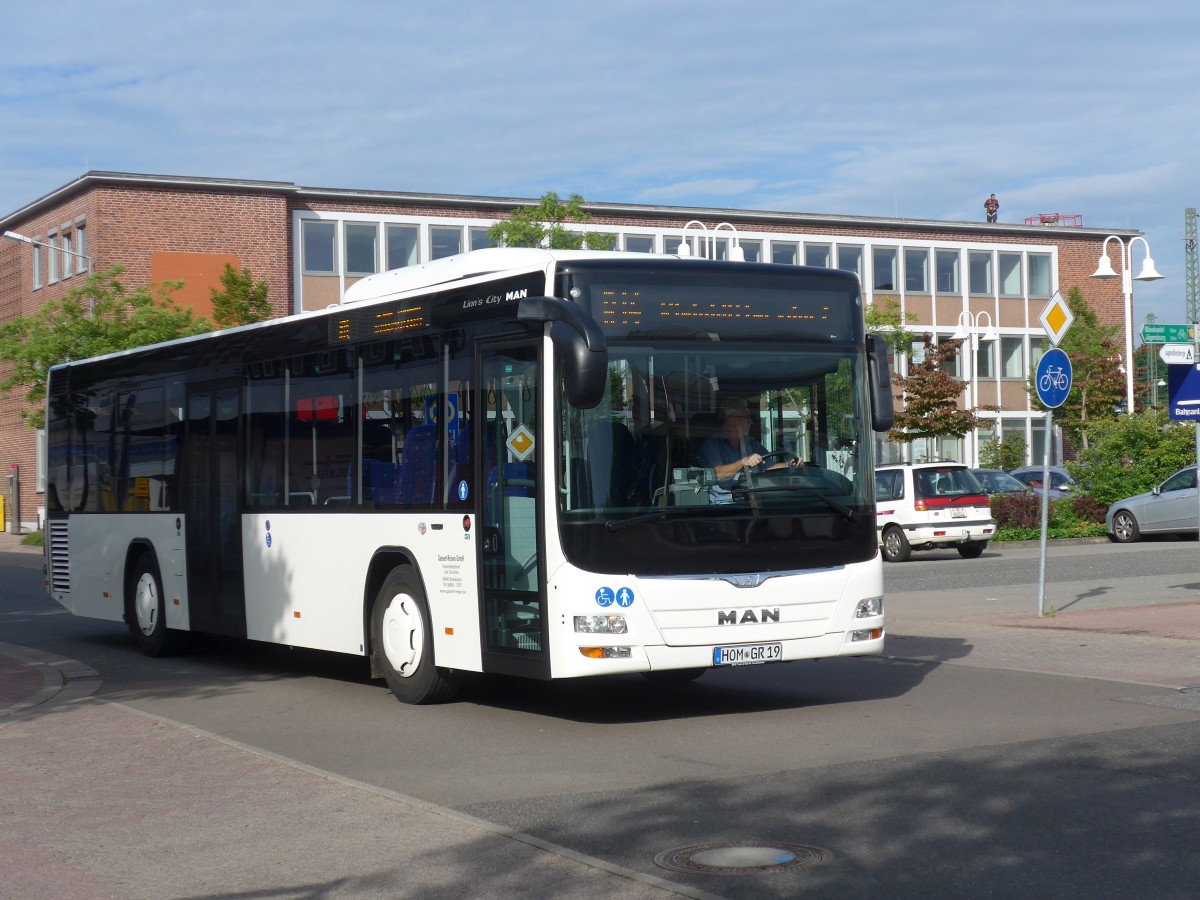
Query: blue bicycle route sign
(1053, 378)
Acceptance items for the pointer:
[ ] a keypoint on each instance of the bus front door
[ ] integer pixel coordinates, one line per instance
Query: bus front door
(216, 599)
(510, 545)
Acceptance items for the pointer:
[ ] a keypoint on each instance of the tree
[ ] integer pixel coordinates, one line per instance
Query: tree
(931, 399)
(97, 317)
(885, 318)
(1005, 453)
(242, 301)
(543, 226)
(1131, 454)
(1097, 384)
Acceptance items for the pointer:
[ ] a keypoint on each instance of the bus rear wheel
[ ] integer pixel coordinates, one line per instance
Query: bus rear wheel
(402, 642)
(148, 611)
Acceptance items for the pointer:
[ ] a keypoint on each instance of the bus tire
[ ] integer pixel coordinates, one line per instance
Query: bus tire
(148, 611)
(402, 641)
(895, 545)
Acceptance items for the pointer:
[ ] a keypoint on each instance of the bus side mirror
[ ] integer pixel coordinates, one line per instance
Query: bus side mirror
(883, 413)
(579, 343)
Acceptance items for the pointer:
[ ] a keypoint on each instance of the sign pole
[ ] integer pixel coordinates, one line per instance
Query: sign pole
(1046, 511)
(1053, 380)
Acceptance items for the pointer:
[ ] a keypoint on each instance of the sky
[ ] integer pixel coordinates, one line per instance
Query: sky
(914, 110)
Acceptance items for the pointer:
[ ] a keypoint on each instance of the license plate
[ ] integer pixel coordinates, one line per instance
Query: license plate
(958, 513)
(747, 654)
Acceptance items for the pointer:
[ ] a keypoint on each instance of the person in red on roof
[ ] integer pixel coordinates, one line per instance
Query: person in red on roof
(991, 206)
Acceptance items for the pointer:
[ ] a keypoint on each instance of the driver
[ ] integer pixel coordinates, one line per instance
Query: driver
(733, 449)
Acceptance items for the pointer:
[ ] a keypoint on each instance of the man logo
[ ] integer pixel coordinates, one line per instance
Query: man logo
(747, 616)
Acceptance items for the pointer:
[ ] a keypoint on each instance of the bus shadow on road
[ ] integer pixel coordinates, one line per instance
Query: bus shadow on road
(628, 699)
(215, 667)
(922, 648)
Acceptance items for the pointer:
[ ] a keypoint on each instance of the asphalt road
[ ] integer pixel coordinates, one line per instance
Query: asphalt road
(922, 775)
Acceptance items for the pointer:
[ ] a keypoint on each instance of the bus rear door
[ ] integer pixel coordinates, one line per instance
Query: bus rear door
(216, 599)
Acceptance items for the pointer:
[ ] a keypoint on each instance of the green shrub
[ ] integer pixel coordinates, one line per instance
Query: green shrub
(1019, 517)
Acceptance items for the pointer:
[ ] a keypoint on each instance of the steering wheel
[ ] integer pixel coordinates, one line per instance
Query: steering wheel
(776, 455)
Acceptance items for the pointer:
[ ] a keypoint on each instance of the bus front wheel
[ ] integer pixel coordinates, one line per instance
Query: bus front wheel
(402, 641)
(148, 611)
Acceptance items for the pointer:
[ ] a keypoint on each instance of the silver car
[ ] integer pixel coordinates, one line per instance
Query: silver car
(1171, 508)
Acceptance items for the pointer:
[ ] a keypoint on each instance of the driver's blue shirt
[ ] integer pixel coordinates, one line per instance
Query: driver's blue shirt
(717, 451)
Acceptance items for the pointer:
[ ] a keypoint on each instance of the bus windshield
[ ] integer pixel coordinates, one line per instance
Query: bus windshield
(756, 459)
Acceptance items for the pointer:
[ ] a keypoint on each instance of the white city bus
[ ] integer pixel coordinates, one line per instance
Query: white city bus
(488, 463)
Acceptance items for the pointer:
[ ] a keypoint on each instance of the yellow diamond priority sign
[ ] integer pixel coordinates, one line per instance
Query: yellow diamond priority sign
(520, 443)
(1056, 318)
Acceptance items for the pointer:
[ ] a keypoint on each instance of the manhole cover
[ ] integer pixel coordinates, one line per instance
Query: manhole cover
(732, 858)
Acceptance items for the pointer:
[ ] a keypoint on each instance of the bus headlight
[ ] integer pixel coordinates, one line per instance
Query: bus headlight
(872, 606)
(601, 624)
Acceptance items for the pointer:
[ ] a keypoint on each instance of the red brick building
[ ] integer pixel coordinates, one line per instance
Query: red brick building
(309, 244)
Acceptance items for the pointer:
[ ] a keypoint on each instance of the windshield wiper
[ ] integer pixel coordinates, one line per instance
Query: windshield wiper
(669, 513)
(839, 508)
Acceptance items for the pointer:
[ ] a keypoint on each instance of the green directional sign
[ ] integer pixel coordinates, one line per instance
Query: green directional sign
(1168, 334)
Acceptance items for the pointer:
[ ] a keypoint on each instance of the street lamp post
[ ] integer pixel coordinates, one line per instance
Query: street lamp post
(708, 245)
(969, 325)
(1104, 269)
(20, 238)
(13, 236)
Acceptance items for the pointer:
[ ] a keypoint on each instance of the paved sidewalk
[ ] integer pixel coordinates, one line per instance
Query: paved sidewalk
(98, 800)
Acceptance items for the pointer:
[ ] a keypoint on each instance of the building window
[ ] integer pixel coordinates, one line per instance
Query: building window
(1039, 275)
(947, 272)
(979, 264)
(785, 253)
(751, 250)
(1010, 275)
(444, 241)
(849, 259)
(40, 484)
(68, 257)
(949, 448)
(816, 255)
(81, 263)
(52, 259)
(403, 246)
(639, 243)
(318, 247)
(984, 360)
(954, 363)
(916, 271)
(1036, 351)
(1014, 428)
(479, 239)
(37, 267)
(1012, 357)
(362, 249)
(883, 261)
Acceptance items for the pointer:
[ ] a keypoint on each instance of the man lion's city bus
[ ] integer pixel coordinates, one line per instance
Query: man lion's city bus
(493, 462)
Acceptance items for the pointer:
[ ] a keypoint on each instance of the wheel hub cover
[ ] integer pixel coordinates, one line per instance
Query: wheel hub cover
(403, 635)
